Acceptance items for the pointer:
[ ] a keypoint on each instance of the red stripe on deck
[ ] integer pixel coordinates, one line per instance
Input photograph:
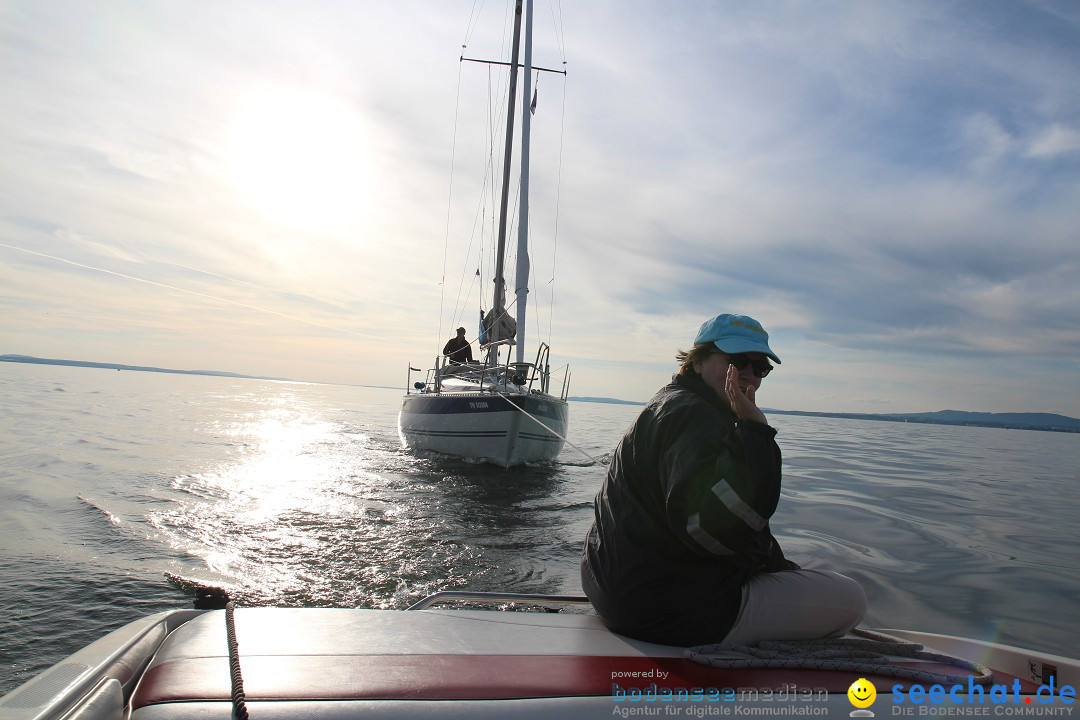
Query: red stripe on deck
(473, 677)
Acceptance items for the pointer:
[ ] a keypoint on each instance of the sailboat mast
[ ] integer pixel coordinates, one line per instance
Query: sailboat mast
(499, 304)
(521, 279)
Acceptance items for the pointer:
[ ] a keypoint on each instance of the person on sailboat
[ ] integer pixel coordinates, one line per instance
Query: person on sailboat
(681, 552)
(458, 349)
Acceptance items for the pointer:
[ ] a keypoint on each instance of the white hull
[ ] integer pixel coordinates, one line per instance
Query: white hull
(505, 429)
(437, 663)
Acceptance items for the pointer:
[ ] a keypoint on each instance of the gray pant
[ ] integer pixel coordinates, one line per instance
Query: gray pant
(797, 605)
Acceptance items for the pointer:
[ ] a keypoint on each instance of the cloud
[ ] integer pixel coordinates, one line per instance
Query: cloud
(886, 182)
(1054, 141)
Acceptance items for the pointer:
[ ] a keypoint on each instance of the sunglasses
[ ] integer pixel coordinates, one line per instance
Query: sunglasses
(741, 360)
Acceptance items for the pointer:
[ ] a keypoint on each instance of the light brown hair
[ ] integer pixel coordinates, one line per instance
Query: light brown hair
(697, 354)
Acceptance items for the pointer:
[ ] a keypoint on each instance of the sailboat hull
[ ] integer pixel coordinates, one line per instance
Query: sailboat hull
(505, 429)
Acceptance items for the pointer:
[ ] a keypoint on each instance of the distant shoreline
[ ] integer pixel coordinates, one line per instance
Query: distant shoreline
(136, 368)
(1047, 422)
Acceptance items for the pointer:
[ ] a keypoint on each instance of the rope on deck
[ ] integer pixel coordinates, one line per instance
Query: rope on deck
(865, 655)
(239, 705)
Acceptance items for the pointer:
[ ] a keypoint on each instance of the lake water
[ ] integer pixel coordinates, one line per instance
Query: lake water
(120, 490)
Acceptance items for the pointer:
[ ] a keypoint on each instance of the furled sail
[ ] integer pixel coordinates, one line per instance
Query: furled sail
(499, 326)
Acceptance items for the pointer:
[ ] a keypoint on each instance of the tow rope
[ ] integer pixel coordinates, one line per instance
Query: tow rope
(239, 705)
(866, 655)
(541, 423)
(214, 598)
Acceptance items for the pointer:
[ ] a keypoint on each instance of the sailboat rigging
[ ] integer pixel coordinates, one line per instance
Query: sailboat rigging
(499, 410)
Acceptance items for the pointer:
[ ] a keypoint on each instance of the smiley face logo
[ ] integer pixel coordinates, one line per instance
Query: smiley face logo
(862, 693)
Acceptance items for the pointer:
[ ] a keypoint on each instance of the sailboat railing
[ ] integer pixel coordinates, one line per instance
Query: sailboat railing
(542, 354)
(491, 376)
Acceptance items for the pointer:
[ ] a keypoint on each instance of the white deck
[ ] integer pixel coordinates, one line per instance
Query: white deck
(435, 663)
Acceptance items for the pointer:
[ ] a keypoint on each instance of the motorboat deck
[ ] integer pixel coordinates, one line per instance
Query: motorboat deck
(433, 662)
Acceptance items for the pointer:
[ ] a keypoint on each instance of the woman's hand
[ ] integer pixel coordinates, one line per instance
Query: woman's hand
(742, 402)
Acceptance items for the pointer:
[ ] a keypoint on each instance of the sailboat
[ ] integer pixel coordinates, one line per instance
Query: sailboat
(503, 409)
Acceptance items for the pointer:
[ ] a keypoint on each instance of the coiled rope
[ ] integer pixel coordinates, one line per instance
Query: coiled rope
(239, 705)
(869, 655)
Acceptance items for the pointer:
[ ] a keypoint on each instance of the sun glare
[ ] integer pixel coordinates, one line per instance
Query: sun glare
(298, 158)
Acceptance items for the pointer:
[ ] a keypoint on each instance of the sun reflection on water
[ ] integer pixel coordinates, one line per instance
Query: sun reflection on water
(310, 511)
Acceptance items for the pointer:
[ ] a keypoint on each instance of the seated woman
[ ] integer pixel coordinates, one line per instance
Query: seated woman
(681, 552)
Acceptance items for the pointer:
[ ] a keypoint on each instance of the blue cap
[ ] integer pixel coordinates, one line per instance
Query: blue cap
(735, 334)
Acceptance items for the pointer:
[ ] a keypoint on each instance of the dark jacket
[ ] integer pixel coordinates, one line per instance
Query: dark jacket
(458, 349)
(682, 519)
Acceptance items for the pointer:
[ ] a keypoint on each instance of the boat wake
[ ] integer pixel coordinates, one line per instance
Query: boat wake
(94, 504)
(587, 460)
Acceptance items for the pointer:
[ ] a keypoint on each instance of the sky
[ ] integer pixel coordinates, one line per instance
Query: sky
(296, 188)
